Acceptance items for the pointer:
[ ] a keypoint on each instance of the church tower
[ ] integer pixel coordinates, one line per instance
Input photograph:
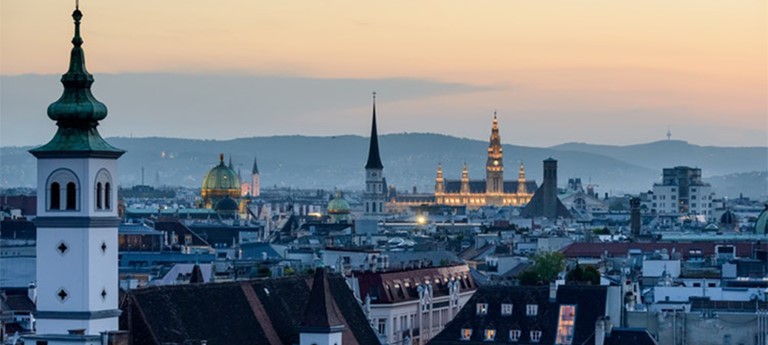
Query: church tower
(521, 188)
(255, 183)
(494, 167)
(375, 193)
(439, 180)
(77, 220)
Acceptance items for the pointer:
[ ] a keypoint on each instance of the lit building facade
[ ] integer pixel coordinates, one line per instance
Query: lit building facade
(494, 190)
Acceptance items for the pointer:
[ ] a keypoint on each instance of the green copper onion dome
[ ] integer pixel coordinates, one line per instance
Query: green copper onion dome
(77, 105)
(338, 205)
(77, 112)
(761, 225)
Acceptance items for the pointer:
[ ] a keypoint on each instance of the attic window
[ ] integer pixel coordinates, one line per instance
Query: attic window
(506, 309)
(482, 308)
(532, 309)
(514, 335)
(535, 336)
(466, 333)
(489, 334)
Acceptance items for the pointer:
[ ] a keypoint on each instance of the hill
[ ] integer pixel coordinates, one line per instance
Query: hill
(409, 160)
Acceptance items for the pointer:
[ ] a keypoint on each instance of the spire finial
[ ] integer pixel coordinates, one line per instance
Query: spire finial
(374, 98)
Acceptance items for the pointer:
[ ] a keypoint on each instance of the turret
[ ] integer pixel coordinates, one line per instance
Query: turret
(521, 188)
(494, 166)
(464, 179)
(439, 180)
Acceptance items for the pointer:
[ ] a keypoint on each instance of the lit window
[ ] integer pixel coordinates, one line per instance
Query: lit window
(514, 335)
(535, 336)
(532, 310)
(482, 308)
(565, 325)
(466, 333)
(489, 334)
(506, 309)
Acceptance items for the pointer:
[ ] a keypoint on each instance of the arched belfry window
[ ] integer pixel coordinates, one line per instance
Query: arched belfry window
(107, 196)
(63, 189)
(99, 196)
(55, 196)
(103, 190)
(71, 196)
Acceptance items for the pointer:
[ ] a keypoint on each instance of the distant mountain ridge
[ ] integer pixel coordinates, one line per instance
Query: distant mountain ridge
(409, 160)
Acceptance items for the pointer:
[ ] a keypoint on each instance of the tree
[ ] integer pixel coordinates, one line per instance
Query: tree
(580, 275)
(529, 278)
(548, 265)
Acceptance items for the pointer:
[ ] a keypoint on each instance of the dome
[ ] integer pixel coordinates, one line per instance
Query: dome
(227, 204)
(221, 177)
(338, 205)
(761, 225)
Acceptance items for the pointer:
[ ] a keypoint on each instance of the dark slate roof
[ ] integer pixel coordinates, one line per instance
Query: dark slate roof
(181, 230)
(479, 186)
(197, 275)
(590, 304)
(17, 303)
(321, 313)
(390, 287)
(18, 229)
(255, 169)
(261, 311)
(535, 207)
(494, 296)
(634, 336)
(374, 160)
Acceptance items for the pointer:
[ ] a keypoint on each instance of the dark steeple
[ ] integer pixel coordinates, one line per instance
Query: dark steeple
(255, 169)
(321, 314)
(77, 112)
(374, 160)
(196, 277)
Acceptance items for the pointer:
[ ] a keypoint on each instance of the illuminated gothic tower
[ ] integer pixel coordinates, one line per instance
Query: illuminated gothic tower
(77, 214)
(494, 167)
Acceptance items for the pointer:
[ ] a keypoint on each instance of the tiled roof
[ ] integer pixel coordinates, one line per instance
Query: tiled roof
(399, 286)
(261, 311)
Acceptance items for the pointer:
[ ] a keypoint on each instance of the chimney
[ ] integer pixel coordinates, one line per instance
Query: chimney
(600, 331)
(634, 218)
(32, 292)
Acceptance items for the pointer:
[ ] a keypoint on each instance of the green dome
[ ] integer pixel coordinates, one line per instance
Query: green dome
(338, 205)
(221, 177)
(761, 225)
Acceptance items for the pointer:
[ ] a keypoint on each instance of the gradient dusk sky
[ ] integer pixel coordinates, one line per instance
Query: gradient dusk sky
(609, 72)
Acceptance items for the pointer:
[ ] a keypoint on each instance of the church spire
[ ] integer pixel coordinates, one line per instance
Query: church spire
(255, 169)
(374, 160)
(77, 112)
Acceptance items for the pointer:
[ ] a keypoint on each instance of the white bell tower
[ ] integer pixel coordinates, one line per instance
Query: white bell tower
(77, 220)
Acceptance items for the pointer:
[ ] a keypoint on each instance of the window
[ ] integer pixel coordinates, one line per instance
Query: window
(482, 308)
(55, 203)
(107, 196)
(466, 333)
(532, 310)
(535, 336)
(514, 335)
(506, 309)
(382, 327)
(489, 334)
(71, 196)
(99, 195)
(566, 325)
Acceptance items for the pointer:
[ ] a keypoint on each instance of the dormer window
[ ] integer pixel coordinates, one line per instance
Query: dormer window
(535, 336)
(489, 335)
(514, 335)
(482, 308)
(506, 309)
(466, 333)
(532, 309)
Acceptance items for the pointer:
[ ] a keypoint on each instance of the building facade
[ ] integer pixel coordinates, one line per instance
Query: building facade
(682, 193)
(493, 190)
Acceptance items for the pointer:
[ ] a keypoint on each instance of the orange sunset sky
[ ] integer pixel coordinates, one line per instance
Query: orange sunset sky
(613, 72)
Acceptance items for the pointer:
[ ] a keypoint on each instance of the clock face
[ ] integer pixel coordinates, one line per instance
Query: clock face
(373, 174)
(495, 162)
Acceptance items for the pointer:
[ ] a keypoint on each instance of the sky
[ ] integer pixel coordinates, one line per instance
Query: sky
(607, 72)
